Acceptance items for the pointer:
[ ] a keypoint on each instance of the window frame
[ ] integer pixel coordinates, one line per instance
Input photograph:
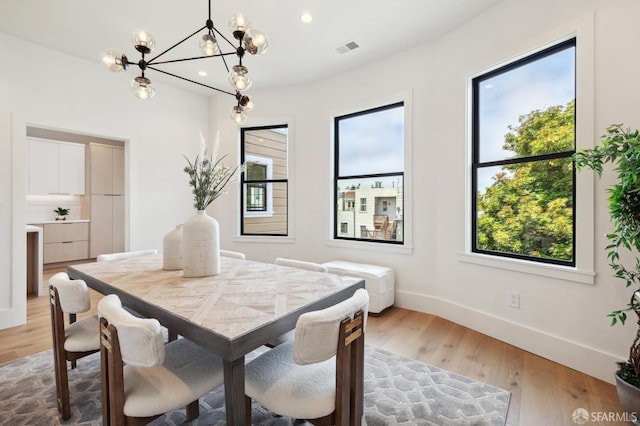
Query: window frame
(244, 157)
(344, 227)
(476, 164)
(267, 187)
(337, 177)
(363, 205)
(254, 191)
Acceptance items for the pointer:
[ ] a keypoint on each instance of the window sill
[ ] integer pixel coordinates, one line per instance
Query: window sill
(565, 273)
(250, 214)
(270, 239)
(366, 245)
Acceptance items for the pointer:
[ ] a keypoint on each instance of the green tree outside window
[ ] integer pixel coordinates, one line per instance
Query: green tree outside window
(528, 209)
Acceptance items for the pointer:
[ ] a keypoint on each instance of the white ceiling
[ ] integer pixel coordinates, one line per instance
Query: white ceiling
(298, 53)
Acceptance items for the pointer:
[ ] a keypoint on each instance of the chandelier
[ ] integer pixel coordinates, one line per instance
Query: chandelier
(247, 39)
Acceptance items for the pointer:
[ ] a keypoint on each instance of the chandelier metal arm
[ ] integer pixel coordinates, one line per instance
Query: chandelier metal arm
(191, 81)
(224, 38)
(150, 61)
(193, 58)
(224, 61)
(212, 28)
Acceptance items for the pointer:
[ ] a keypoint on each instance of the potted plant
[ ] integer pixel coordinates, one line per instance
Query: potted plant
(621, 148)
(62, 213)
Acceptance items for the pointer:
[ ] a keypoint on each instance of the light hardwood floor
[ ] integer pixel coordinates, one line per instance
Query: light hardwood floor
(542, 392)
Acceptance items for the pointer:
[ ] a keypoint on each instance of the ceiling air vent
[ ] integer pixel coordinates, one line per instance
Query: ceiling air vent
(347, 47)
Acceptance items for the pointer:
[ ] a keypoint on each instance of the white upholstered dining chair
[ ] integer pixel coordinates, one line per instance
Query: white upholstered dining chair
(124, 255)
(75, 340)
(300, 264)
(142, 378)
(319, 376)
(234, 254)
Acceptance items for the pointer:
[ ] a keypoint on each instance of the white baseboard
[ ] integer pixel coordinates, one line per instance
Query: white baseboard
(574, 355)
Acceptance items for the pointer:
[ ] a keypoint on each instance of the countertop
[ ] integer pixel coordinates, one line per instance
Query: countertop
(31, 228)
(59, 221)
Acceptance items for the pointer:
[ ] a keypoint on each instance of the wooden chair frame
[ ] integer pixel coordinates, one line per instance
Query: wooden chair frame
(349, 404)
(60, 355)
(113, 382)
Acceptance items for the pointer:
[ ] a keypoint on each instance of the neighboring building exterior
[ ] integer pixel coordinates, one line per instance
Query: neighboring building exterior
(373, 213)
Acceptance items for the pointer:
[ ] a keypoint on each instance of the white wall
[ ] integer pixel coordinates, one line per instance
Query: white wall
(560, 319)
(49, 89)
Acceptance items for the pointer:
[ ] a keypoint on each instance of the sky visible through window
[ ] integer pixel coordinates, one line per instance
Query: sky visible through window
(538, 85)
(372, 143)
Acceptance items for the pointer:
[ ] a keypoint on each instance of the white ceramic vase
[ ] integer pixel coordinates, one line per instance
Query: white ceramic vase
(172, 250)
(201, 246)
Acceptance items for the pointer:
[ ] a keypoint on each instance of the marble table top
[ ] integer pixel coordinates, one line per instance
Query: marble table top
(243, 297)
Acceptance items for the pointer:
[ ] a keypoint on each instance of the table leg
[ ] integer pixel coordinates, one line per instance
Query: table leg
(234, 391)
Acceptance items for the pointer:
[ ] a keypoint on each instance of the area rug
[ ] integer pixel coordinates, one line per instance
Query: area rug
(397, 391)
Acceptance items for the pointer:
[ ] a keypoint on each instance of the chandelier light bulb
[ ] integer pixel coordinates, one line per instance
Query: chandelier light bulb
(209, 45)
(142, 88)
(238, 115)
(239, 78)
(113, 60)
(143, 41)
(255, 42)
(239, 22)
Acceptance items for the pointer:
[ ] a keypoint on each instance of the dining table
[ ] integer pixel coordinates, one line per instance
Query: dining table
(245, 306)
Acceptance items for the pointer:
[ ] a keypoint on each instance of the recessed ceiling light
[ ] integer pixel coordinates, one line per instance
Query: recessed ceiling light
(202, 73)
(306, 17)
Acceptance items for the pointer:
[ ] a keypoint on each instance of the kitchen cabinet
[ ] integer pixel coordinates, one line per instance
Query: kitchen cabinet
(72, 168)
(107, 224)
(107, 200)
(56, 167)
(64, 242)
(107, 170)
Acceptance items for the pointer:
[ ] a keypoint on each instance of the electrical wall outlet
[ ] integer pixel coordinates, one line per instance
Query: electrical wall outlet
(514, 300)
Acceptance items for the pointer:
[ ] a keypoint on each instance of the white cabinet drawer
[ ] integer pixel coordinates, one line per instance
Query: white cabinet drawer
(64, 252)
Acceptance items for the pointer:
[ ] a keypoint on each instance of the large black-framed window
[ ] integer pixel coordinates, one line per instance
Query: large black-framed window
(264, 181)
(369, 175)
(523, 179)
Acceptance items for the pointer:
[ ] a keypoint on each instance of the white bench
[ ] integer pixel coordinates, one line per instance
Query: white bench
(379, 281)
